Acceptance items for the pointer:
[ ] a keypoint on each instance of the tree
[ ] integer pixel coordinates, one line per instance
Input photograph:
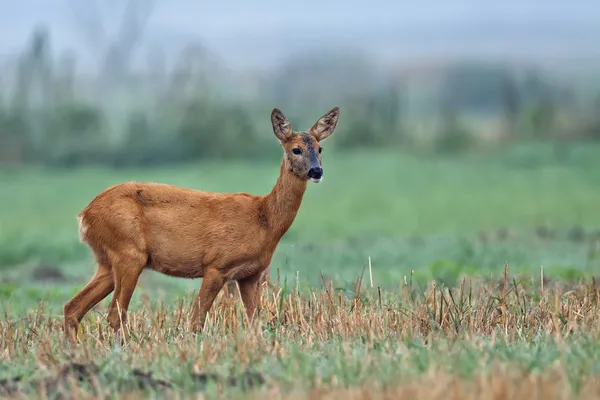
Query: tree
(116, 49)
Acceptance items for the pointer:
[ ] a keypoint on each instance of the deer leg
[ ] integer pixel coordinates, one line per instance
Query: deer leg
(97, 289)
(212, 283)
(230, 288)
(250, 292)
(126, 275)
(265, 277)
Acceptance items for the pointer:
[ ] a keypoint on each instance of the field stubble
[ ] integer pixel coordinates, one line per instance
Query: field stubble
(495, 338)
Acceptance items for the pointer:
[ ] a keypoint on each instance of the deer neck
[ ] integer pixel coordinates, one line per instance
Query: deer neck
(283, 202)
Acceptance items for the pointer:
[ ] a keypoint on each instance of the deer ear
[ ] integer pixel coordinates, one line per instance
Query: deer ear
(325, 125)
(281, 126)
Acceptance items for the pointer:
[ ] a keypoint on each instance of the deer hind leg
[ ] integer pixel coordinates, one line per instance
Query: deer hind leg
(126, 272)
(212, 283)
(250, 292)
(97, 289)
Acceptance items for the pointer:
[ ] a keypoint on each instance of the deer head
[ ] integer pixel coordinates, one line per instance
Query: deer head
(303, 149)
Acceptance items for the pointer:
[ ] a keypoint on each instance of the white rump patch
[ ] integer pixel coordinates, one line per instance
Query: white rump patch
(82, 229)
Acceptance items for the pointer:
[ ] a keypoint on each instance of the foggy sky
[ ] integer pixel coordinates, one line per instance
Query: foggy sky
(261, 32)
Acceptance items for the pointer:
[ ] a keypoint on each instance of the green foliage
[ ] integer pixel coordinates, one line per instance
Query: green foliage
(453, 136)
(374, 120)
(216, 131)
(75, 135)
(539, 119)
(478, 86)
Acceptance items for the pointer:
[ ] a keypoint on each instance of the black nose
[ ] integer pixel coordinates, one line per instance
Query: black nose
(315, 173)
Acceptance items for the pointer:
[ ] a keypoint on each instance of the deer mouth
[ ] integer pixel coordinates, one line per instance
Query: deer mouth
(316, 180)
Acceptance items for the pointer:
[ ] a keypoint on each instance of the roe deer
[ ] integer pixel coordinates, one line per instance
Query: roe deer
(194, 234)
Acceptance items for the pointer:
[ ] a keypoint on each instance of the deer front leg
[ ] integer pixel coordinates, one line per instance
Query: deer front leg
(212, 283)
(250, 292)
(265, 277)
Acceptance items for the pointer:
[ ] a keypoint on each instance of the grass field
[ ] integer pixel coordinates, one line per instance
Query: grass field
(456, 220)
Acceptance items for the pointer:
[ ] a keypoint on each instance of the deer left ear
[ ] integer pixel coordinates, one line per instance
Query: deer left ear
(324, 127)
(281, 126)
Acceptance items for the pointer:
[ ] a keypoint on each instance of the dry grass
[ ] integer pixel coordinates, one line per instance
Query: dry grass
(486, 339)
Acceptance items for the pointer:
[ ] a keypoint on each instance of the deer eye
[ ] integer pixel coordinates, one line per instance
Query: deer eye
(320, 150)
(297, 151)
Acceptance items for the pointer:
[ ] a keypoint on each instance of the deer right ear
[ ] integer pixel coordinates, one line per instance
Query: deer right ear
(324, 127)
(281, 126)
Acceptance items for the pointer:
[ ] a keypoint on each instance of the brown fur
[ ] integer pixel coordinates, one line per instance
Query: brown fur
(193, 234)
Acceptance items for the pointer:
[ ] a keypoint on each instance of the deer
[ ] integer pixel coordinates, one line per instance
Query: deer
(186, 233)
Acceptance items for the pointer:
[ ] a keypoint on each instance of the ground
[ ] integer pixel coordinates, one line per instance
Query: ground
(483, 284)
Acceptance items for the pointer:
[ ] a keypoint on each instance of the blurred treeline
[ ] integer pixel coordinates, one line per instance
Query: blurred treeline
(53, 114)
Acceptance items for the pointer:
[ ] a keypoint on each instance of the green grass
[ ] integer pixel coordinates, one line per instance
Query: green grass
(441, 217)
(421, 218)
(383, 363)
(505, 333)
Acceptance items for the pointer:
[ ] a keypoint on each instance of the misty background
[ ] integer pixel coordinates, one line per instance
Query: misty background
(262, 33)
(122, 82)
